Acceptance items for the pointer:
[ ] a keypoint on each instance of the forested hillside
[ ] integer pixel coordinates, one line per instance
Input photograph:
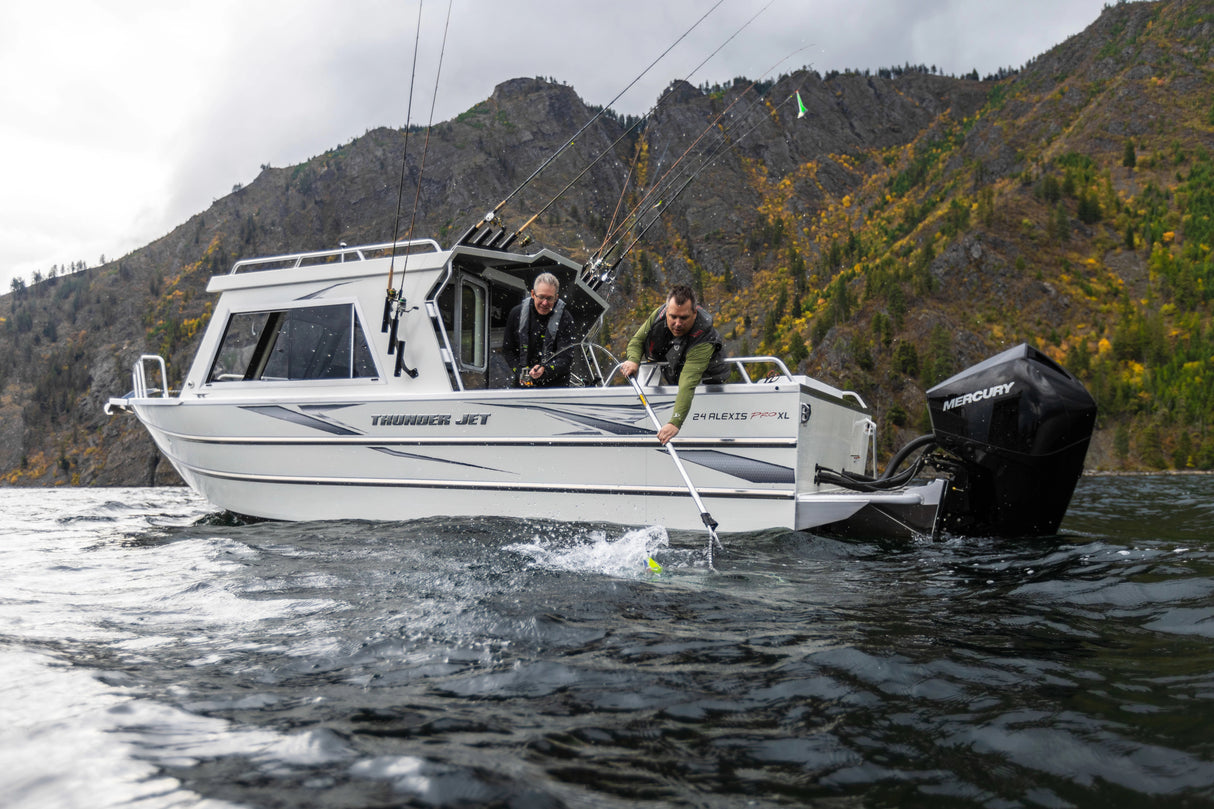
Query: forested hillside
(909, 225)
(1073, 210)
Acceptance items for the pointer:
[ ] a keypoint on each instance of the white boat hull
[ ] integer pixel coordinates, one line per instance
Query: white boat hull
(583, 454)
(297, 408)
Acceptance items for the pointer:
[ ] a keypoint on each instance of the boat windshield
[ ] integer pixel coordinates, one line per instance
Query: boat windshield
(312, 342)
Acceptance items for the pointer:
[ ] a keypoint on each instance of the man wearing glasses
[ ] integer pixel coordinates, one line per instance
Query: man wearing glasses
(538, 331)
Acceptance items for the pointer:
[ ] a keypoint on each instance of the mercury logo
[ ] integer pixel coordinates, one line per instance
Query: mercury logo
(978, 395)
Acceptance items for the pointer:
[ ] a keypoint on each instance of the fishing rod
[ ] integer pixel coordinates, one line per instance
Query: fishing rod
(609, 273)
(393, 298)
(636, 214)
(489, 217)
(669, 92)
(711, 126)
(400, 296)
(709, 522)
(601, 257)
(404, 162)
(426, 143)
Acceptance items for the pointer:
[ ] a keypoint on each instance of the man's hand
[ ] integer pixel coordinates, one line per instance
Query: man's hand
(628, 368)
(667, 432)
(536, 371)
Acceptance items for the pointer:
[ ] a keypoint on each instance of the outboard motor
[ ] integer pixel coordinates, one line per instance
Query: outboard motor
(1019, 426)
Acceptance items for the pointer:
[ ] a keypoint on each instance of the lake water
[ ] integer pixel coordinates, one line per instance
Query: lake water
(153, 656)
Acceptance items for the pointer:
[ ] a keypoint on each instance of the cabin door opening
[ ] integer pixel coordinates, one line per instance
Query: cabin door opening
(474, 312)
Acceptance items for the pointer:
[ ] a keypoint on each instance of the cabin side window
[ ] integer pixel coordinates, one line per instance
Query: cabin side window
(473, 341)
(313, 342)
(502, 299)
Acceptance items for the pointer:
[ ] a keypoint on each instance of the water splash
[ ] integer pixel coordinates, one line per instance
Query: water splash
(630, 555)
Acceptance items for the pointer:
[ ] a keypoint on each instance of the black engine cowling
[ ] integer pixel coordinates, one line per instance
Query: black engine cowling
(1019, 426)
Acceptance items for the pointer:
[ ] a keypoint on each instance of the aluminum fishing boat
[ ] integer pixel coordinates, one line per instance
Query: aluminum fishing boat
(309, 399)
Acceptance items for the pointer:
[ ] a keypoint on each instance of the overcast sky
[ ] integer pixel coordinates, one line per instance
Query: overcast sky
(120, 119)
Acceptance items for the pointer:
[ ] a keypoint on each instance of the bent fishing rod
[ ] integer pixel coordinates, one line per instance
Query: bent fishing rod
(489, 217)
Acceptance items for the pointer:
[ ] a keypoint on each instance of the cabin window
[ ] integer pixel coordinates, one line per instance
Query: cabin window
(473, 313)
(312, 342)
(502, 299)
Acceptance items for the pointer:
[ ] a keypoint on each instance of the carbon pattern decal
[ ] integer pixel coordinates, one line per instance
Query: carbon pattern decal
(302, 419)
(398, 454)
(747, 469)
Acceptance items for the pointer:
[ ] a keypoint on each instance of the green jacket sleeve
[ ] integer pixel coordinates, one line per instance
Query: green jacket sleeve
(636, 346)
(693, 371)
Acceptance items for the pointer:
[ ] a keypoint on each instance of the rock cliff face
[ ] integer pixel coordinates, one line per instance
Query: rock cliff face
(904, 207)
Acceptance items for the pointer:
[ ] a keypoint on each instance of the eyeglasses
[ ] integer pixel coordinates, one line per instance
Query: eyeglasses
(544, 298)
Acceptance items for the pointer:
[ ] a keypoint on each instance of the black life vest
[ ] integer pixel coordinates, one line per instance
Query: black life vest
(524, 332)
(661, 344)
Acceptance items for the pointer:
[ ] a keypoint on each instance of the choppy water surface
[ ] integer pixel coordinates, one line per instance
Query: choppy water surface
(151, 656)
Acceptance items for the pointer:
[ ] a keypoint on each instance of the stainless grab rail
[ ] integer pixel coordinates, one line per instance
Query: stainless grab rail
(139, 378)
(294, 260)
(653, 367)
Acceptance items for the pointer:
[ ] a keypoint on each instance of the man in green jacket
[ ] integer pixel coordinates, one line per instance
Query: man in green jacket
(679, 334)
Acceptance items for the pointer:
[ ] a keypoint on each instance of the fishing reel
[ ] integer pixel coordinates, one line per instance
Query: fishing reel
(395, 306)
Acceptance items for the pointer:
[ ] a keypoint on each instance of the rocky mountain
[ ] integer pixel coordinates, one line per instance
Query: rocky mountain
(909, 225)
